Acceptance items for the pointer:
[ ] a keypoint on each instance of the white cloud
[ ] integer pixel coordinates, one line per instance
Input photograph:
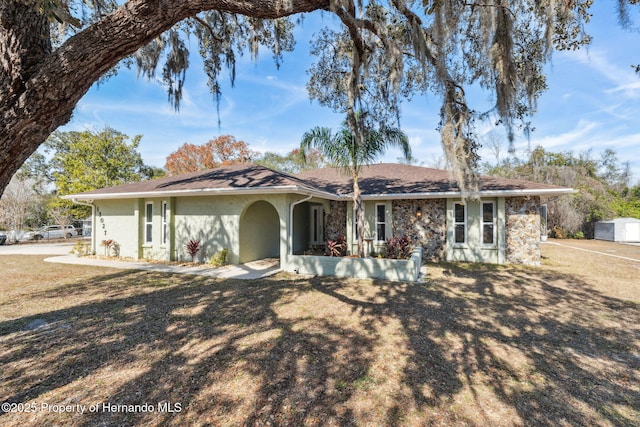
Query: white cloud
(624, 80)
(582, 131)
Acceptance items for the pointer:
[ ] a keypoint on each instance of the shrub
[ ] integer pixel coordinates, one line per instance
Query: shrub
(81, 248)
(220, 258)
(192, 248)
(115, 249)
(337, 247)
(397, 248)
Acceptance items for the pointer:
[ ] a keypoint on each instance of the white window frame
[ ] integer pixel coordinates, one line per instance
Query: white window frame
(457, 223)
(165, 222)
(148, 223)
(384, 222)
(493, 222)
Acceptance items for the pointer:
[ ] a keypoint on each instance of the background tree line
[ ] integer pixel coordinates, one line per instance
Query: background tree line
(603, 183)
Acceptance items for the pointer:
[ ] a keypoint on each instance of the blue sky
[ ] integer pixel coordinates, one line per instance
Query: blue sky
(593, 102)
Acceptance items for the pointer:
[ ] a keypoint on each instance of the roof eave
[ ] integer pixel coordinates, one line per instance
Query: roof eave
(295, 189)
(459, 194)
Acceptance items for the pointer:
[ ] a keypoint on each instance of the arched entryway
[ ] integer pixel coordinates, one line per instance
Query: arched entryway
(259, 232)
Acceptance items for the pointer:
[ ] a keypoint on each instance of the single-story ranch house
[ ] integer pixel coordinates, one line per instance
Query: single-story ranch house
(255, 212)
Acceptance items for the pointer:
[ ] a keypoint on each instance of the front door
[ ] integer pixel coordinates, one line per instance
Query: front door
(317, 226)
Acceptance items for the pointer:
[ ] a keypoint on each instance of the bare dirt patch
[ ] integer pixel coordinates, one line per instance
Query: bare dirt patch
(474, 345)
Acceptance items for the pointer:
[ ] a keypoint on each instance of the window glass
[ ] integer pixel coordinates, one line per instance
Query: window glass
(459, 212)
(459, 238)
(488, 223)
(487, 212)
(355, 224)
(164, 223)
(460, 230)
(148, 230)
(381, 225)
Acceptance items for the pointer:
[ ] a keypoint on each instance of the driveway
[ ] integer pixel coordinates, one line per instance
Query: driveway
(59, 248)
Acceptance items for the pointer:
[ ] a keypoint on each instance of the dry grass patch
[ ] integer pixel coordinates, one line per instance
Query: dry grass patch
(474, 345)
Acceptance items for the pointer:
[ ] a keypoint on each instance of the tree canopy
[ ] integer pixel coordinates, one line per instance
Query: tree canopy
(52, 51)
(222, 151)
(75, 162)
(293, 161)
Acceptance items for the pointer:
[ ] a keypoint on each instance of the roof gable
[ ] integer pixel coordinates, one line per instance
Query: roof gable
(234, 178)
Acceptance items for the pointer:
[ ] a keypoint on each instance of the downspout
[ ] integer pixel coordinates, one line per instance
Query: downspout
(93, 221)
(293, 205)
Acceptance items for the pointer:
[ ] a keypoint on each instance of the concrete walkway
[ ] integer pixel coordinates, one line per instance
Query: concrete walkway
(250, 270)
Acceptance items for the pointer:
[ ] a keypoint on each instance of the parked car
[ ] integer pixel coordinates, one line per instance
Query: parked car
(3, 237)
(51, 232)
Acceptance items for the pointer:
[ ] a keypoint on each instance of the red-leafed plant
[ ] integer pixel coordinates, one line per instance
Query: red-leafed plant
(397, 248)
(192, 248)
(337, 247)
(108, 244)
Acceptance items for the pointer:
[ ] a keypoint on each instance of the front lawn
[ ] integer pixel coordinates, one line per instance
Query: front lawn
(473, 345)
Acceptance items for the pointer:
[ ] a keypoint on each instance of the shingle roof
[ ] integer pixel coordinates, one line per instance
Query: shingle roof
(398, 179)
(376, 181)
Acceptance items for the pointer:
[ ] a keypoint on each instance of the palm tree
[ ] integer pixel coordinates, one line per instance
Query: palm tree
(350, 153)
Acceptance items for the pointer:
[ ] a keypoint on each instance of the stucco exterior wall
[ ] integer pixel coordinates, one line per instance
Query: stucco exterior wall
(213, 220)
(523, 230)
(427, 230)
(217, 221)
(117, 220)
(473, 249)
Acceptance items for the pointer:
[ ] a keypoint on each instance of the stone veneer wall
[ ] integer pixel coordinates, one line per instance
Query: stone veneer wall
(430, 231)
(336, 220)
(522, 230)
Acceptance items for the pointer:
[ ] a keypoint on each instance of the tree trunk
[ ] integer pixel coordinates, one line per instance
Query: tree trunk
(39, 89)
(359, 213)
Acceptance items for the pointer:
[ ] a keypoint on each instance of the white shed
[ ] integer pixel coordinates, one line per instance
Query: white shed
(618, 230)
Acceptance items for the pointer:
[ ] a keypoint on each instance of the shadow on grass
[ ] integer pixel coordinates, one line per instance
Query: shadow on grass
(546, 346)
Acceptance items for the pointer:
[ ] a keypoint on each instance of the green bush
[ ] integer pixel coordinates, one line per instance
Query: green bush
(219, 258)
